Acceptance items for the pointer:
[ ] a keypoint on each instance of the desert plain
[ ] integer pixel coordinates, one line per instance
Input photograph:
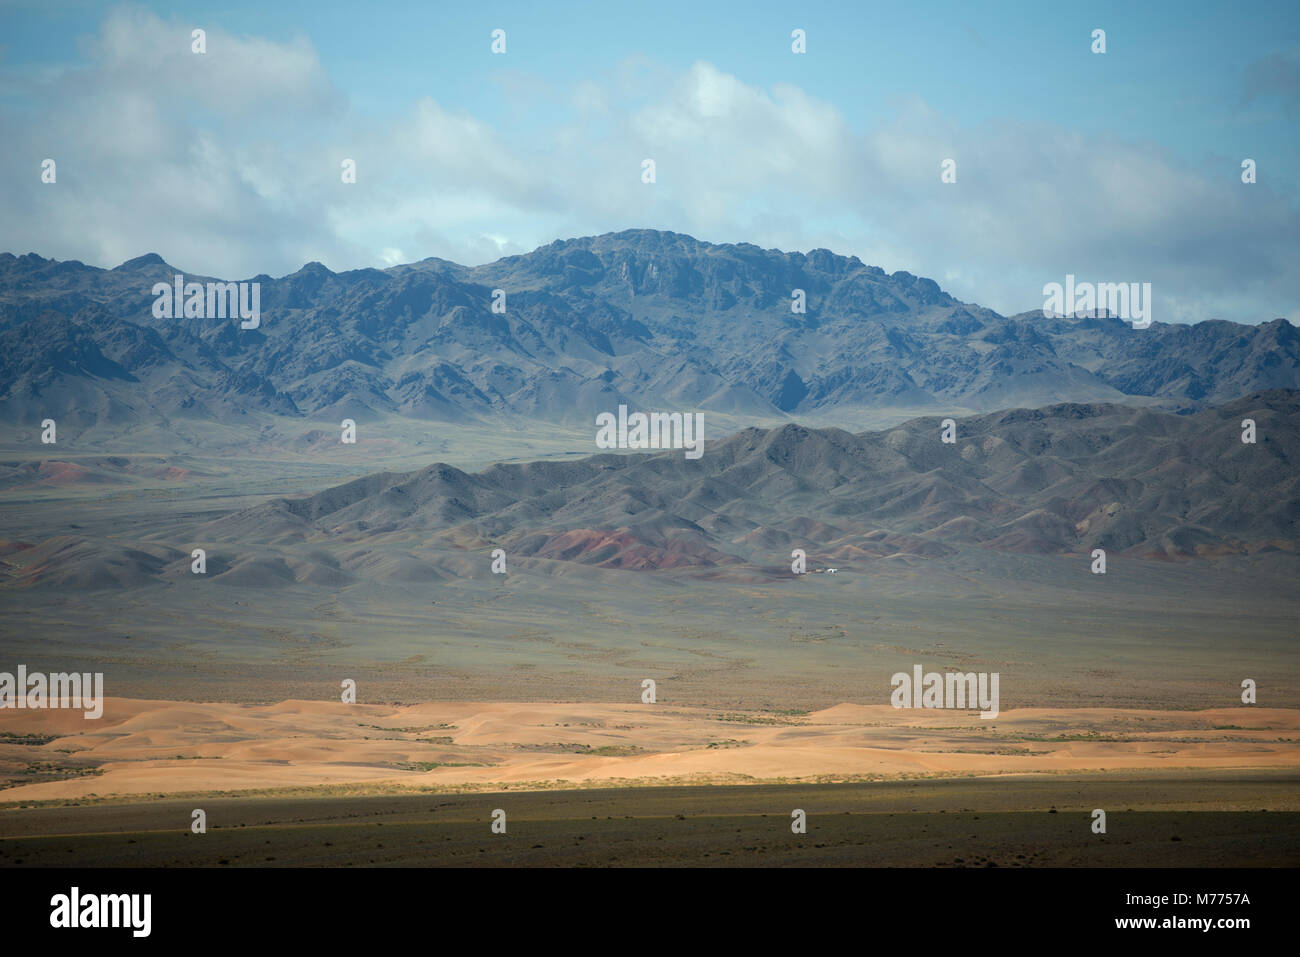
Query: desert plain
(478, 692)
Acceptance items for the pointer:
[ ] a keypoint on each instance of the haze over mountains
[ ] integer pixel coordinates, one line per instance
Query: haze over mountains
(654, 320)
(1063, 479)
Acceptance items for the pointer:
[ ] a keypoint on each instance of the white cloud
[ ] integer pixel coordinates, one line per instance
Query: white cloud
(228, 163)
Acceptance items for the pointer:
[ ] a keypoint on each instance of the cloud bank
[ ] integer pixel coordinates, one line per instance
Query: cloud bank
(229, 163)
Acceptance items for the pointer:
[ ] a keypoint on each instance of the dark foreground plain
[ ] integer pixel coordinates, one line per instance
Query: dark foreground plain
(1171, 819)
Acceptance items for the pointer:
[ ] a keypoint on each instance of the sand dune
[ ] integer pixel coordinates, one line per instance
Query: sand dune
(165, 747)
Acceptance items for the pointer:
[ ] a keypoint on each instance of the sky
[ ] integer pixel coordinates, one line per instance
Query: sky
(1122, 166)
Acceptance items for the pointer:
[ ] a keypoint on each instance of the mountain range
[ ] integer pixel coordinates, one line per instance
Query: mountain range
(654, 320)
(1060, 480)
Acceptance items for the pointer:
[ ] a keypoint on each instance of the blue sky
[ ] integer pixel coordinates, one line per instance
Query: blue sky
(1119, 167)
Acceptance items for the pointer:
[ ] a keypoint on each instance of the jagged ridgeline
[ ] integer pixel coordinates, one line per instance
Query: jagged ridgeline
(656, 320)
(1058, 480)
